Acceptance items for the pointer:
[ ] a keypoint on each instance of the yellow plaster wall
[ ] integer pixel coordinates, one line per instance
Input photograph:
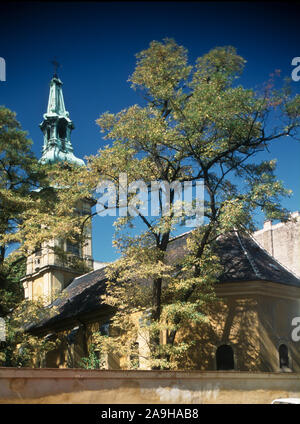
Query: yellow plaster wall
(253, 325)
(38, 287)
(144, 387)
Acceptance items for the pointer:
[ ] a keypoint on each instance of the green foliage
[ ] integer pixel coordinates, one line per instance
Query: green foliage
(12, 292)
(94, 360)
(22, 349)
(18, 172)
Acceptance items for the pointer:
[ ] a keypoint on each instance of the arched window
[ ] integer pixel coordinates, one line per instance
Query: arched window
(224, 357)
(283, 356)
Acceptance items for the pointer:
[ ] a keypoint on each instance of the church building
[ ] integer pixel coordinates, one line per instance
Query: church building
(250, 330)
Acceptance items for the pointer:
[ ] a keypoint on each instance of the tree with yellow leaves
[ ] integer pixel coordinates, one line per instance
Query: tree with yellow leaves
(196, 123)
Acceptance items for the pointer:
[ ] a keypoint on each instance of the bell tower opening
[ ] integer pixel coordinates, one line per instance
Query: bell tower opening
(62, 131)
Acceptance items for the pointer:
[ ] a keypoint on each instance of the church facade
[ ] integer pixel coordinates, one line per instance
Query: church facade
(250, 329)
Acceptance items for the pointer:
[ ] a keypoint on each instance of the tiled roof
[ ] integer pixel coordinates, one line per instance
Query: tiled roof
(82, 295)
(242, 258)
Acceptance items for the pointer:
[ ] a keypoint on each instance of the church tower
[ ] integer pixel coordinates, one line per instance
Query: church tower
(47, 273)
(57, 127)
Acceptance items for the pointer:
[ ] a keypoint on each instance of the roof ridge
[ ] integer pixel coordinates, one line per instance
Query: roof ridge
(87, 273)
(180, 235)
(249, 257)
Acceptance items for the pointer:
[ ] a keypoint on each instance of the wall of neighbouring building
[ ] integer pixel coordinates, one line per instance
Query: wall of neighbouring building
(134, 387)
(282, 241)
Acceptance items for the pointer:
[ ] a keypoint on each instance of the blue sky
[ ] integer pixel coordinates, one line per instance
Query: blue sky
(96, 43)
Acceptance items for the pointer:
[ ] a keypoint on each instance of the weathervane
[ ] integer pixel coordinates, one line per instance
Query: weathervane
(56, 66)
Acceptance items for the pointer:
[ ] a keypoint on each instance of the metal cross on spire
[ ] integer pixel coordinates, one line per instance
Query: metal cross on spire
(56, 66)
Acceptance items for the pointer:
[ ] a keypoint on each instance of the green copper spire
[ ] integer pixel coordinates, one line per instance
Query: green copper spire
(57, 127)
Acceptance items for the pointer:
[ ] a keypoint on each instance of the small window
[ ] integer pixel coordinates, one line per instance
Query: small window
(73, 248)
(224, 357)
(104, 329)
(283, 356)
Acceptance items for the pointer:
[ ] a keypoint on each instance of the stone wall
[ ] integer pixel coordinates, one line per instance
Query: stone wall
(144, 387)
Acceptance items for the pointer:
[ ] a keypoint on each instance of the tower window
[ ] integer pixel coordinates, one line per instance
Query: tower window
(283, 356)
(48, 133)
(224, 357)
(62, 131)
(73, 248)
(38, 250)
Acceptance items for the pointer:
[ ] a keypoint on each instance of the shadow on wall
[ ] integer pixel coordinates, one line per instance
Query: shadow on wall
(230, 339)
